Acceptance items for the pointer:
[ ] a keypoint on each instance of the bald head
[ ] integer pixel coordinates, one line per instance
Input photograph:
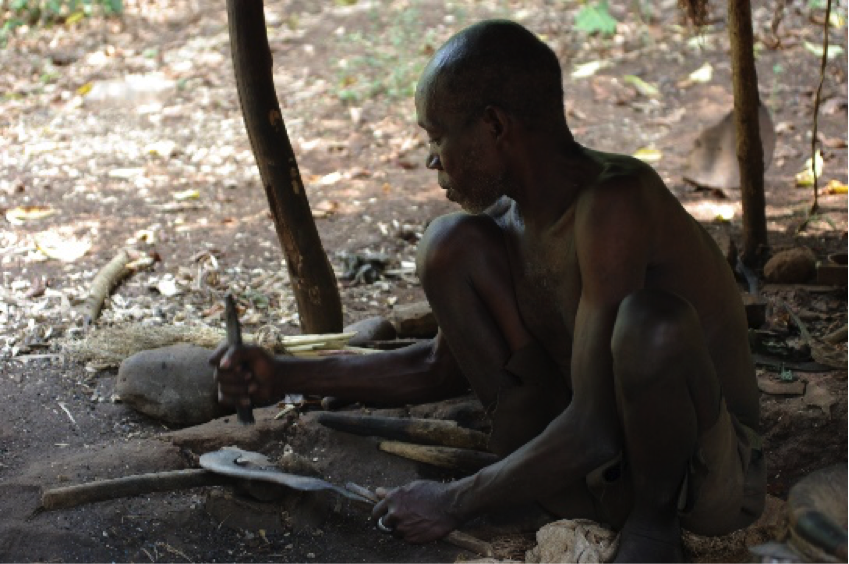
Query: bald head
(499, 63)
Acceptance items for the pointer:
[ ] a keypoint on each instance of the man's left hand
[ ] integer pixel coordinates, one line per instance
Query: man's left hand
(418, 512)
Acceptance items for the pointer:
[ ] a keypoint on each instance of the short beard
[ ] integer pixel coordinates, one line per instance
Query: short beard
(481, 195)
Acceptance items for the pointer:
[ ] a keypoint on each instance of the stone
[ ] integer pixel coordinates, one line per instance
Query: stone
(172, 384)
(414, 320)
(793, 266)
(370, 329)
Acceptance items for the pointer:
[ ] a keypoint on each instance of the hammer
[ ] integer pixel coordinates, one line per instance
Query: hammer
(244, 413)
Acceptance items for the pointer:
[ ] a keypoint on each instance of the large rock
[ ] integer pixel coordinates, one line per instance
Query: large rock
(173, 384)
(793, 266)
(370, 329)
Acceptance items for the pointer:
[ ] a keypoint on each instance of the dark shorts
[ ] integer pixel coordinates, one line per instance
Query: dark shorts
(724, 488)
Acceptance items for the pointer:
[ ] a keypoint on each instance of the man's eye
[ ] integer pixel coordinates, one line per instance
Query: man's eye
(435, 142)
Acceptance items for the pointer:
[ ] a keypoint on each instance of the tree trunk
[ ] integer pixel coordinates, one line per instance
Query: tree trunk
(749, 149)
(313, 281)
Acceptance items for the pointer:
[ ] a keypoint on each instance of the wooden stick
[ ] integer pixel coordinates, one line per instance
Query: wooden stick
(837, 337)
(128, 486)
(470, 543)
(444, 457)
(422, 431)
(103, 282)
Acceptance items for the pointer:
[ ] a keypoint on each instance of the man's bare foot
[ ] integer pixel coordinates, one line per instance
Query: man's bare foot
(650, 546)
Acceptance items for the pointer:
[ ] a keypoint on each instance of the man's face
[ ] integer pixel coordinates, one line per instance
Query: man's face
(462, 153)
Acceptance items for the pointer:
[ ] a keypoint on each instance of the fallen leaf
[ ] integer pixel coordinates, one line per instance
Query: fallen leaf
(595, 18)
(805, 177)
(85, 88)
(55, 247)
(330, 179)
(834, 105)
(125, 173)
(168, 287)
(835, 187)
(584, 70)
(191, 194)
(645, 88)
(702, 74)
(325, 208)
(648, 155)
(74, 18)
(20, 214)
(816, 49)
(164, 149)
(832, 142)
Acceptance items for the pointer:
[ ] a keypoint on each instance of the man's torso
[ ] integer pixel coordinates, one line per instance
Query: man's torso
(683, 260)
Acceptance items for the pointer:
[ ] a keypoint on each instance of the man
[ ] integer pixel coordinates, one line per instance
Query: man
(592, 316)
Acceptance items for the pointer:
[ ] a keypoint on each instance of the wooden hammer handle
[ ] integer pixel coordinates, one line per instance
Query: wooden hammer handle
(244, 413)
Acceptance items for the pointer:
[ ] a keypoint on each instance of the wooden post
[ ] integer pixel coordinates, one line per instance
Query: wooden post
(313, 281)
(746, 116)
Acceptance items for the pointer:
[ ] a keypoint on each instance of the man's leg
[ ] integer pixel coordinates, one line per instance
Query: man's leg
(464, 269)
(667, 394)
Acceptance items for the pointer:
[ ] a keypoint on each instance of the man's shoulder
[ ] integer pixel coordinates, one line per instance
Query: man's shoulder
(625, 199)
(622, 184)
(621, 171)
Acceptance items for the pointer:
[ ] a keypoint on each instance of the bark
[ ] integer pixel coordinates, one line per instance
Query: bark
(313, 281)
(749, 148)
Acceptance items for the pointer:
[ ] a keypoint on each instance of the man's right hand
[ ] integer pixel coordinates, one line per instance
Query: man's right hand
(244, 374)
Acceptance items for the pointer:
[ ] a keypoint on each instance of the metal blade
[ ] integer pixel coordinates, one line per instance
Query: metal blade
(242, 464)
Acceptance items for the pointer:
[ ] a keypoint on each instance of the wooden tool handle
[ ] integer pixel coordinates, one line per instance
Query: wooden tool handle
(244, 413)
(140, 484)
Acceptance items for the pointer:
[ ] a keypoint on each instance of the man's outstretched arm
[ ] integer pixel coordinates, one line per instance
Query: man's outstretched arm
(418, 373)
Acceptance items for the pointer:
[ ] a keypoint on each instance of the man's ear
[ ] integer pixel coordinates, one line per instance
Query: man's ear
(497, 120)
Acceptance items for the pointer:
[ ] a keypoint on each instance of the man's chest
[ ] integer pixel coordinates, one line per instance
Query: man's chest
(548, 289)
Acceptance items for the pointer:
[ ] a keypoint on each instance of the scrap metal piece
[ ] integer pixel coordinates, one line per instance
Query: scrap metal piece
(248, 465)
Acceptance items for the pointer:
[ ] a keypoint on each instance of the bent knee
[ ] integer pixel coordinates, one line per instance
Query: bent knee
(653, 330)
(453, 241)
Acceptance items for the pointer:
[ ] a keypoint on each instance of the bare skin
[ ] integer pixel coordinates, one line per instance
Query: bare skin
(586, 254)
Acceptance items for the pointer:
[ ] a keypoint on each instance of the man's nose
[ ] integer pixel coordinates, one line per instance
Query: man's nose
(432, 162)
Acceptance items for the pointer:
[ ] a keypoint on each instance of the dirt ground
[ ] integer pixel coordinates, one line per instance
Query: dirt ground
(91, 163)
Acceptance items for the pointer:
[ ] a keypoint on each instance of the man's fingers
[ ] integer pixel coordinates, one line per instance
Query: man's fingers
(234, 384)
(218, 353)
(379, 510)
